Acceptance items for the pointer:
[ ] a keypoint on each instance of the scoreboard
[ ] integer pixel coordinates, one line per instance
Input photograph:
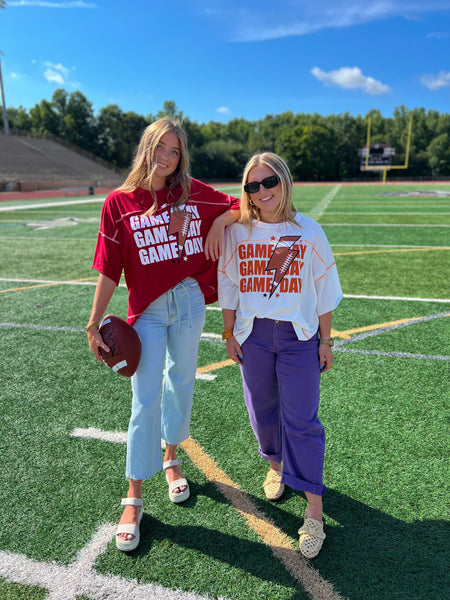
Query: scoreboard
(380, 156)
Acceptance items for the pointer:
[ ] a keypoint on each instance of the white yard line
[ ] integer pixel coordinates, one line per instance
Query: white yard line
(79, 578)
(367, 334)
(317, 211)
(394, 354)
(397, 298)
(212, 337)
(115, 437)
(386, 212)
(49, 281)
(380, 225)
(217, 308)
(50, 204)
(392, 246)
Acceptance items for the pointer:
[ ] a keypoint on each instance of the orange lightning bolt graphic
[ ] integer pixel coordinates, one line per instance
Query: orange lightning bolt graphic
(281, 259)
(179, 226)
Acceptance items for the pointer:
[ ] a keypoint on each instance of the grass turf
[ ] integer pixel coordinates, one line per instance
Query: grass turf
(385, 417)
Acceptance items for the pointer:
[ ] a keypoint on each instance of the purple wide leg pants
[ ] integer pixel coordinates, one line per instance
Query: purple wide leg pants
(281, 377)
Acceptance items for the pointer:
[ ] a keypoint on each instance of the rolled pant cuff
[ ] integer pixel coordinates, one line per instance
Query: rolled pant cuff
(278, 458)
(304, 486)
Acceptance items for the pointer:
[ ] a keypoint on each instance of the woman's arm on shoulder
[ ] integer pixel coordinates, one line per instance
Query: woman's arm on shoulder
(214, 240)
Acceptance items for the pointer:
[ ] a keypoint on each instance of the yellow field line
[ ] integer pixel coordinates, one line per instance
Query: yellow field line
(53, 283)
(214, 366)
(82, 279)
(347, 333)
(28, 287)
(280, 544)
(390, 250)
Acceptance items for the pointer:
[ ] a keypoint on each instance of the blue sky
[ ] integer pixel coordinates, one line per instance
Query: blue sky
(222, 59)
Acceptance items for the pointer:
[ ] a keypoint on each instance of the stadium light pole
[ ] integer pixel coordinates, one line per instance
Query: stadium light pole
(5, 116)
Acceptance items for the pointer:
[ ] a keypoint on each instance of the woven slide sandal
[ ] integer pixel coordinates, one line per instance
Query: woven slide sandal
(273, 488)
(311, 538)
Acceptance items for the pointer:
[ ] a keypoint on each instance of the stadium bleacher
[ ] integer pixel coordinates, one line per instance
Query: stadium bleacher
(30, 164)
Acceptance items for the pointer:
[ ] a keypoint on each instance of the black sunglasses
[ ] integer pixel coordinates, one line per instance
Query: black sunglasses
(267, 182)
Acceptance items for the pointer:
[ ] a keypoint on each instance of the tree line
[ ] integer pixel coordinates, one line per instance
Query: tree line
(316, 147)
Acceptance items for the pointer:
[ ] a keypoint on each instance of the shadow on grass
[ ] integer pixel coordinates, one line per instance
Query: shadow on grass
(252, 557)
(247, 555)
(370, 555)
(374, 556)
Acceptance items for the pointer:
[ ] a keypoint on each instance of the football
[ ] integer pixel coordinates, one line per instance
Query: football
(124, 345)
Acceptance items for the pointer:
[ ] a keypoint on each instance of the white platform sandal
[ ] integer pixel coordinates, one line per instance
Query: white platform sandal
(129, 545)
(181, 496)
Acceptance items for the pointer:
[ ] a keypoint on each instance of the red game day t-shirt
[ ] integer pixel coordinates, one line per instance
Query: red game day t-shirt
(157, 252)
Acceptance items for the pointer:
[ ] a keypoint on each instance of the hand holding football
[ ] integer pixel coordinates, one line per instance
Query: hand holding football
(124, 345)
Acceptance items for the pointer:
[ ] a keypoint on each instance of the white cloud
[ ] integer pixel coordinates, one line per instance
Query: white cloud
(351, 78)
(59, 74)
(56, 73)
(223, 110)
(260, 21)
(44, 4)
(54, 77)
(434, 82)
(439, 35)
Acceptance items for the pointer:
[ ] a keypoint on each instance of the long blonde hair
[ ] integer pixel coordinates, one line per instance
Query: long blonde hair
(144, 163)
(286, 210)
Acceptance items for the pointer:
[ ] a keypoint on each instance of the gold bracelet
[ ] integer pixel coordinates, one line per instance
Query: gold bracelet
(227, 333)
(91, 324)
(328, 342)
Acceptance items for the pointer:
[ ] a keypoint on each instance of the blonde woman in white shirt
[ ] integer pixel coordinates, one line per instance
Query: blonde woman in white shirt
(278, 286)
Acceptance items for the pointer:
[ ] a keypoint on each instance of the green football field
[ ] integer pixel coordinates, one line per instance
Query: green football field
(384, 406)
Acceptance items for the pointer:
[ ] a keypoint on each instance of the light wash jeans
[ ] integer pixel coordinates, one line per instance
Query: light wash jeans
(170, 330)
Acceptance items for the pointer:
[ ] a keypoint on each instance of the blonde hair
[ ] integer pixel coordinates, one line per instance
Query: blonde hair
(144, 163)
(286, 209)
